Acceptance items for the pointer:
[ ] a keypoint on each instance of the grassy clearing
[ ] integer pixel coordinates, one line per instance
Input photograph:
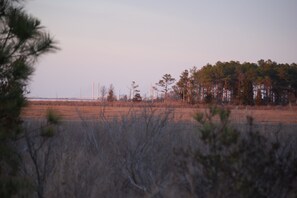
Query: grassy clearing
(91, 111)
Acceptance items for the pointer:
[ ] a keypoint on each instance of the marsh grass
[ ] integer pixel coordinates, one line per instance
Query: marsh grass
(136, 154)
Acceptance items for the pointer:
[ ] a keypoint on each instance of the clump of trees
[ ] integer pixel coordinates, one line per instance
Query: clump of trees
(235, 83)
(261, 83)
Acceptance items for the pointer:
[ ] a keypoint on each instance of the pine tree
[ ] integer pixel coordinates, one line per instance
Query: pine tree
(22, 41)
(111, 97)
(182, 85)
(165, 84)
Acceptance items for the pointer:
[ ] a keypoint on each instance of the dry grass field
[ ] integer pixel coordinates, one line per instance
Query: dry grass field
(150, 150)
(73, 111)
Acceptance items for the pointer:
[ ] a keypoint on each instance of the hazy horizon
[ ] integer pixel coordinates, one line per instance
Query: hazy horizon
(117, 42)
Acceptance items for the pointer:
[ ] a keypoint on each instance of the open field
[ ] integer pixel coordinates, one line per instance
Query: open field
(93, 110)
(151, 150)
(149, 153)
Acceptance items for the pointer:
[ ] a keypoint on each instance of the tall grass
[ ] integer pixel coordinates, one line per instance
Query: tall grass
(133, 155)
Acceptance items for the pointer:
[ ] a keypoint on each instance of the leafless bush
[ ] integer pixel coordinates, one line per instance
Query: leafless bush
(37, 150)
(139, 148)
(129, 155)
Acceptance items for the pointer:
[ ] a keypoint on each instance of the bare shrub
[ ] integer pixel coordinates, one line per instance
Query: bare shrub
(130, 155)
(139, 147)
(37, 150)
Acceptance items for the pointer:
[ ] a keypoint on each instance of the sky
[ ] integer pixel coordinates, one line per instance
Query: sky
(120, 41)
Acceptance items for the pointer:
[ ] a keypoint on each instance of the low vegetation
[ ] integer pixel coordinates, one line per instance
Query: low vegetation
(150, 154)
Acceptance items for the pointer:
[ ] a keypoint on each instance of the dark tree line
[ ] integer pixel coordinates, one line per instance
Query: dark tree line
(261, 83)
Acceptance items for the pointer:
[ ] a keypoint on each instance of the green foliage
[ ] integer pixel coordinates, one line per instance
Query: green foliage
(230, 163)
(199, 117)
(53, 117)
(47, 132)
(181, 87)
(22, 42)
(53, 120)
(111, 97)
(165, 83)
(185, 88)
(235, 83)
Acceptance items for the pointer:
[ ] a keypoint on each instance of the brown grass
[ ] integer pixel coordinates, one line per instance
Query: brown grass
(133, 156)
(92, 110)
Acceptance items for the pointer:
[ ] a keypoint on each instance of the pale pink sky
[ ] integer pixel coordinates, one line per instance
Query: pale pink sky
(118, 41)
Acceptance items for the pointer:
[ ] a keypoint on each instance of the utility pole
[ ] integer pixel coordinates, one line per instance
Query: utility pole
(93, 91)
